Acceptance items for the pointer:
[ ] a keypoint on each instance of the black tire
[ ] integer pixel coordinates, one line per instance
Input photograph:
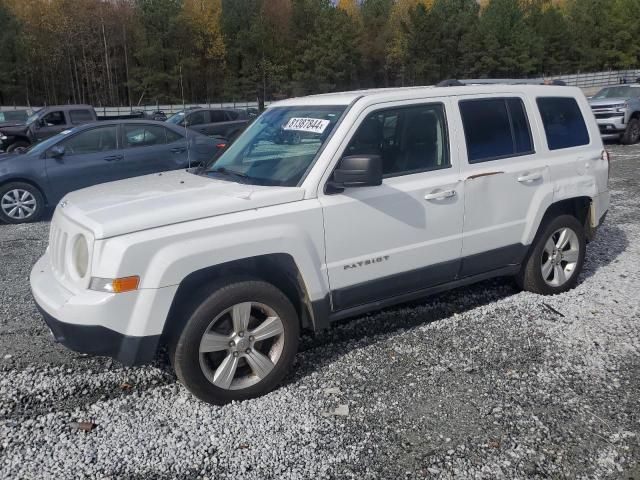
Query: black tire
(38, 209)
(531, 277)
(632, 134)
(207, 305)
(18, 145)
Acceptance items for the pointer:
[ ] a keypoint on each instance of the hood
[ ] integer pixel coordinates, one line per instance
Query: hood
(601, 102)
(140, 203)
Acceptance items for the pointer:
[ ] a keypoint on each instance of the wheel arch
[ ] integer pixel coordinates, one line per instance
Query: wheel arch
(578, 207)
(279, 269)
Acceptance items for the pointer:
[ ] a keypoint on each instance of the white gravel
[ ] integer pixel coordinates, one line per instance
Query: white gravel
(480, 382)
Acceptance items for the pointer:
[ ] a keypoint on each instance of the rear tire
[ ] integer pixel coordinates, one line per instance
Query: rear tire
(20, 203)
(556, 257)
(239, 341)
(632, 134)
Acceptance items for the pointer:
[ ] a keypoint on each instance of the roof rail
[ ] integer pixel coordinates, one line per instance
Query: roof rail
(453, 82)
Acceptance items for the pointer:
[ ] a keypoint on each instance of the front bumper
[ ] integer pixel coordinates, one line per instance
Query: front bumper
(611, 128)
(98, 323)
(98, 340)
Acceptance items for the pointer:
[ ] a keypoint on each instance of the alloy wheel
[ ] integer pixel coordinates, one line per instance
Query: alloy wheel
(241, 346)
(560, 257)
(18, 204)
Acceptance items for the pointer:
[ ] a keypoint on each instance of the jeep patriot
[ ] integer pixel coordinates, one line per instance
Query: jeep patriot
(386, 196)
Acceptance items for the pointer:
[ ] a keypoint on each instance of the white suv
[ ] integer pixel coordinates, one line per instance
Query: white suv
(326, 207)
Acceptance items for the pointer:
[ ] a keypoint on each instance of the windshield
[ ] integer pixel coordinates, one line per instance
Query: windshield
(618, 92)
(44, 145)
(278, 147)
(176, 118)
(32, 118)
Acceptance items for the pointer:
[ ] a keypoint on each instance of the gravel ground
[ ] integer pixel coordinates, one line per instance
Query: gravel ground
(481, 382)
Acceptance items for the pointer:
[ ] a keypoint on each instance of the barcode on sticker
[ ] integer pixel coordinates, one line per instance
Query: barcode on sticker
(312, 125)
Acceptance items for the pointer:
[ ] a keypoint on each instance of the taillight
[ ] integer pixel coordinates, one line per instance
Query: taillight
(221, 145)
(605, 156)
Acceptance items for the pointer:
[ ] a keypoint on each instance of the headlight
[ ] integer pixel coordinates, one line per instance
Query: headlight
(622, 108)
(80, 256)
(3, 137)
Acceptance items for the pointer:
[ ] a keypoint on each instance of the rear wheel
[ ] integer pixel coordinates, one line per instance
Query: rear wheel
(238, 342)
(556, 259)
(20, 203)
(632, 134)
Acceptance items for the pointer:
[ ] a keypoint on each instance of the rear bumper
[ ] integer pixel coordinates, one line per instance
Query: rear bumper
(98, 340)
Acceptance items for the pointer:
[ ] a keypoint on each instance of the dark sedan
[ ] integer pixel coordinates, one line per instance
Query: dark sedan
(91, 154)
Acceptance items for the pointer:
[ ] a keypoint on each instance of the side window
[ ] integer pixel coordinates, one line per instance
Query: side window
(197, 118)
(409, 139)
(80, 116)
(173, 136)
(144, 135)
(563, 122)
(495, 128)
(217, 116)
(101, 139)
(231, 115)
(53, 119)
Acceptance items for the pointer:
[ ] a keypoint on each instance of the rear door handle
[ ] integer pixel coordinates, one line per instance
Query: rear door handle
(179, 150)
(440, 195)
(529, 177)
(113, 158)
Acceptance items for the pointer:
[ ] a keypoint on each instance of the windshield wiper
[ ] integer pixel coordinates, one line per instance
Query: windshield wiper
(231, 173)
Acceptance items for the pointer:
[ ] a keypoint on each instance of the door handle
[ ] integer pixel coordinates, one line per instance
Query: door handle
(179, 150)
(440, 195)
(529, 177)
(113, 158)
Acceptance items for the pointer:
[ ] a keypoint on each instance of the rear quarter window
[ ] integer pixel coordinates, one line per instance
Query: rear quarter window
(563, 123)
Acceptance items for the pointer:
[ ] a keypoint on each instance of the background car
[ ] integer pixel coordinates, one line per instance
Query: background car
(91, 154)
(224, 122)
(617, 111)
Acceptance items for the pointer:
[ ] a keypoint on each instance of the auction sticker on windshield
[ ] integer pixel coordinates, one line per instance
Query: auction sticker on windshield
(311, 125)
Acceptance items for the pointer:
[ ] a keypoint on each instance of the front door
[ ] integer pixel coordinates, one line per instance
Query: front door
(90, 157)
(51, 124)
(504, 179)
(406, 234)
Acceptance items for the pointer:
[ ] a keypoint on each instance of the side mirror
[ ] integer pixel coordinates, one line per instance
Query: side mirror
(358, 171)
(57, 151)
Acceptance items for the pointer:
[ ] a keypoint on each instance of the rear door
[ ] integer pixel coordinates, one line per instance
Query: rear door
(91, 157)
(151, 148)
(504, 179)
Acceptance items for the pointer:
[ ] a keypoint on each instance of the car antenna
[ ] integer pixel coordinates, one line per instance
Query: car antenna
(186, 131)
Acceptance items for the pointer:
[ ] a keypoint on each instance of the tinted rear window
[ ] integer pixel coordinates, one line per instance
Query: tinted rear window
(80, 116)
(495, 128)
(563, 122)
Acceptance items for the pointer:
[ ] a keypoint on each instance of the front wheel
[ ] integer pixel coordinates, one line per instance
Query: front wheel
(238, 343)
(556, 258)
(20, 203)
(632, 133)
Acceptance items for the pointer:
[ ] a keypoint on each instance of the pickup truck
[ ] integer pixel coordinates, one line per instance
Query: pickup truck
(45, 123)
(617, 111)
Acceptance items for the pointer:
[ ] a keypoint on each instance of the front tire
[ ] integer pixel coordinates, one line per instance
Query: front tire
(17, 146)
(632, 133)
(239, 342)
(20, 203)
(556, 258)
